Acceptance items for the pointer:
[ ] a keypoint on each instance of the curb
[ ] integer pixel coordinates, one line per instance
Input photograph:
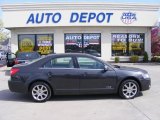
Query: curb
(137, 64)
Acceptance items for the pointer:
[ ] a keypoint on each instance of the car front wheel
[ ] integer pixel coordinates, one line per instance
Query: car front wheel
(40, 92)
(129, 89)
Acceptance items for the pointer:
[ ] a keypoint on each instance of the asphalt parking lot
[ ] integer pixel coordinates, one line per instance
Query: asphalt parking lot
(15, 106)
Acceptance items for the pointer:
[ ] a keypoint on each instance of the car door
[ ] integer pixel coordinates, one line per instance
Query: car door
(95, 77)
(62, 74)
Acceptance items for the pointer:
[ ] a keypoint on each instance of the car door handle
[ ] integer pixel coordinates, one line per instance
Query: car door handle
(85, 74)
(50, 74)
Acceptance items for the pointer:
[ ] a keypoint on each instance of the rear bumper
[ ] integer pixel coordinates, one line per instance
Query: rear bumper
(17, 86)
(145, 84)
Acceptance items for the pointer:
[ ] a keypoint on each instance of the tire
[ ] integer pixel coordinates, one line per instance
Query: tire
(40, 92)
(129, 89)
(8, 65)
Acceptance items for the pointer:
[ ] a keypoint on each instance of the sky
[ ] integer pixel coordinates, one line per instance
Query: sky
(45, 1)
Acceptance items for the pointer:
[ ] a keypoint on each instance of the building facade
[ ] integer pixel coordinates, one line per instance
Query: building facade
(105, 30)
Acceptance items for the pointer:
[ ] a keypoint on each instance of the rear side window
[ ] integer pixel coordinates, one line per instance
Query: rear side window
(62, 62)
(28, 55)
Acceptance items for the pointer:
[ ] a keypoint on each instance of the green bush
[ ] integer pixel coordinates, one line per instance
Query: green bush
(155, 59)
(116, 59)
(134, 58)
(145, 57)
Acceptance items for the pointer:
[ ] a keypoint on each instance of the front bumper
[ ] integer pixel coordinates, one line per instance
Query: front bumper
(145, 84)
(17, 86)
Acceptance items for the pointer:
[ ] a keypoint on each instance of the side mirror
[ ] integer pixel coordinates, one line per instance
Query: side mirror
(105, 68)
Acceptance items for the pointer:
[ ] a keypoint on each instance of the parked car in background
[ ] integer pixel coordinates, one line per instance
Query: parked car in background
(22, 57)
(75, 74)
(10, 59)
(25, 57)
(2, 55)
(93, 52)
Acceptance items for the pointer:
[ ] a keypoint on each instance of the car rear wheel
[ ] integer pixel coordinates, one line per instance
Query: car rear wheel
(40, 91)
(129, 89)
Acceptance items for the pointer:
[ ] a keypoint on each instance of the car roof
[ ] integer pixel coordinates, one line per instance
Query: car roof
(71, 54)
(29, 52)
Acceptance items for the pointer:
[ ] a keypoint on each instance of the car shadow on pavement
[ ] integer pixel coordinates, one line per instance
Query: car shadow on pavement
(89, 97)
(84, 97)
(6, 95)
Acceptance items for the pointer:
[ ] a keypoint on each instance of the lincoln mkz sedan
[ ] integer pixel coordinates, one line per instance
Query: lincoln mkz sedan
(75, 74)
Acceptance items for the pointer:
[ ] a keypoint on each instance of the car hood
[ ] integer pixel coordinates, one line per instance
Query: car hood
(124, 68)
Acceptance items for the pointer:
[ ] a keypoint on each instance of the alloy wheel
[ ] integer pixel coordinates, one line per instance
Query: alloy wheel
(129, 89)
(40, 91)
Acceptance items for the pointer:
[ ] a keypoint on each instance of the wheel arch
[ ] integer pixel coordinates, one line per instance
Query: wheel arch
(41, 80)
(131, 78)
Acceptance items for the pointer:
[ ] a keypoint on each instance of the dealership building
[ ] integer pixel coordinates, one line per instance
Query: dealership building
(105, 30)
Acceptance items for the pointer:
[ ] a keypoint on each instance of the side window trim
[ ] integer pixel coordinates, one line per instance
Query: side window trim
(72, 58)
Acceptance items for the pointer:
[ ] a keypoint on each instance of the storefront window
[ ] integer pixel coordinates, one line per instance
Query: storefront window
(73, 43)
(45, 44)
(127, 44)
(42, 43)
(26, 43)
(136, 44)
(119, 44)
(89, 43)
(92, 44)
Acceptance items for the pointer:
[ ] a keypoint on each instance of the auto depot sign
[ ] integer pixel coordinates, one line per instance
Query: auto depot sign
(79, 18)
(83, 17)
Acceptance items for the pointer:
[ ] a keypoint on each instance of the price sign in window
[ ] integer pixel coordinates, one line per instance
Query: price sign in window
(26, 43)
(45, 44)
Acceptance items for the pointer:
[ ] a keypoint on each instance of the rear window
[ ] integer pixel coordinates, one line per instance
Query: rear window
(28, 55)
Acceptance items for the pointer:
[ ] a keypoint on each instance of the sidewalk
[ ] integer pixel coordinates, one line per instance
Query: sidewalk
(4, 73)
(147, 64)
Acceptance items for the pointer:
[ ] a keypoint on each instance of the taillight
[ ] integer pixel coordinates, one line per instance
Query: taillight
(13, 71)
(16, 61)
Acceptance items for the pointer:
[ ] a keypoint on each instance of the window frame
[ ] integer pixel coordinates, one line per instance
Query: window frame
(82, 34)
(35, 43)
(35, 37)
(45, 34)
(73, 59)
(128, 43)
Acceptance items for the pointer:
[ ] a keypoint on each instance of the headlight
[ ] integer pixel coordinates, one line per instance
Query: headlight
(145, 75)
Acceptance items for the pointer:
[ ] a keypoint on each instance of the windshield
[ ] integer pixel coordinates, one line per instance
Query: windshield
(28, 55)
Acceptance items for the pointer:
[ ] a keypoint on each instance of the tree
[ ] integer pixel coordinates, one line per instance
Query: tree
(4, 33)
(155, 41)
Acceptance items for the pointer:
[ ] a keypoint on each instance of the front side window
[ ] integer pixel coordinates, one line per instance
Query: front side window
(89, 63)
(63, 62)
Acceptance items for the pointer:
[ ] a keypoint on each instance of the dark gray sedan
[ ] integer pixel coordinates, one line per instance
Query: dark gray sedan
(74, 74)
